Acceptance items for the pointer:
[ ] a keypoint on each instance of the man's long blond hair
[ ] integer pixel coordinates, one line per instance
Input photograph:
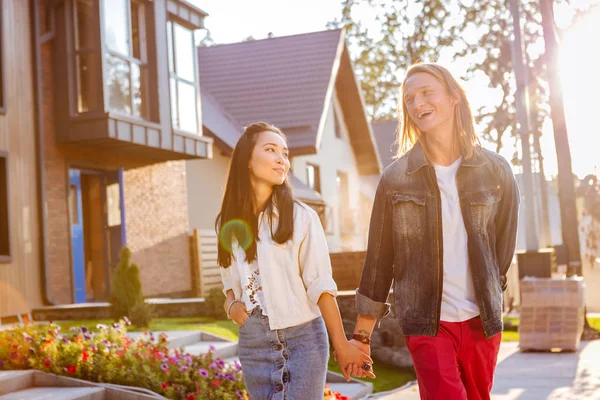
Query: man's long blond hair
(464, 128)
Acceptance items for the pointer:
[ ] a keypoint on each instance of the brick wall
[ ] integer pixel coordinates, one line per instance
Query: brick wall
(58, 240)
(347, 268)
(157, 226)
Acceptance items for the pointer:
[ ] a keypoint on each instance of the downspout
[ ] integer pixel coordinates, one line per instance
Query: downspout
(37, 42)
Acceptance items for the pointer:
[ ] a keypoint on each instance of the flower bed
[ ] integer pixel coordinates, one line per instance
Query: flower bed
(109, 356)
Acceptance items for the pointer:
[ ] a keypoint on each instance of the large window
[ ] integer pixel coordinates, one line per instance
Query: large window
(182, 73)
(125, 36)
(313, 177)
(5, 255)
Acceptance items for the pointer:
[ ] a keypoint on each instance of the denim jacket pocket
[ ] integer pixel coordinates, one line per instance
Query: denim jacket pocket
(409, 226)
(483, 206)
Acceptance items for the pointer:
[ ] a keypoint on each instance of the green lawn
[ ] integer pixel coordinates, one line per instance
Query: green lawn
(226, 328)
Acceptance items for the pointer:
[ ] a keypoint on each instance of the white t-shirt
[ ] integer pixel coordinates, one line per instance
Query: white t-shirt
(458, 295)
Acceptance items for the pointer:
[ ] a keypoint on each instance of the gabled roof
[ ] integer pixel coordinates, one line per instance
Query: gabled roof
(289, 82)
(385, 136)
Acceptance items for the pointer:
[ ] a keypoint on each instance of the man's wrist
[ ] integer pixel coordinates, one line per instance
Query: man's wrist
(362, 336)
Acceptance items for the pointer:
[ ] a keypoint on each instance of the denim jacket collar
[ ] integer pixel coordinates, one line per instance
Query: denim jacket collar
(418, 159)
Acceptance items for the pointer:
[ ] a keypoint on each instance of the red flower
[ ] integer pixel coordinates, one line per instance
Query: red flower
(85, 356)
(72, 369)
(165, 385)
(47, 363)
(191, 397)
(215, 383)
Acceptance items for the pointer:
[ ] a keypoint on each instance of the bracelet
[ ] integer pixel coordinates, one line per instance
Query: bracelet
(364, 339)
(229, 307)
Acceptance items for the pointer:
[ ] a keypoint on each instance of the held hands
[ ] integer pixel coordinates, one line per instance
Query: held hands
(351, 356)
(356, 370)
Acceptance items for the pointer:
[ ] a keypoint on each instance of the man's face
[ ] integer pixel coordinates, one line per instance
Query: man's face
(429, 104)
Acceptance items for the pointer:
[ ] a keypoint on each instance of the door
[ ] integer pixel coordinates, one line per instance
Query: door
(77, 237)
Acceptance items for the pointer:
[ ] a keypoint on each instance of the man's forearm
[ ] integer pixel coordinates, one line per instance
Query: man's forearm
(364, 325)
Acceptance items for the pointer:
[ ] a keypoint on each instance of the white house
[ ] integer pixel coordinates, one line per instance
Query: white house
(305, 85)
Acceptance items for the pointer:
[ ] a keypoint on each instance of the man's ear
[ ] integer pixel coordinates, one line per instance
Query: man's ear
(456, 98)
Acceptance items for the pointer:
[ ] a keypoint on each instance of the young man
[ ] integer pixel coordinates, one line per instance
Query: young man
(443, 229)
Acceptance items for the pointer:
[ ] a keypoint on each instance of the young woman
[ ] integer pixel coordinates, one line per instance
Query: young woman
(276, 273)
(443, 229)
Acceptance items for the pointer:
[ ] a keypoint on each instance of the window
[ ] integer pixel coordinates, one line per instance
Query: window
(126, 58)
(313, 177)
(2, 99)
(345, 214)
(86, 57)
(182, 77)
(5, 255)
(342, 188)
(338, 126)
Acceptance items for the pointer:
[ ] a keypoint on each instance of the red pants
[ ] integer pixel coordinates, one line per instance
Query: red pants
(457, 364)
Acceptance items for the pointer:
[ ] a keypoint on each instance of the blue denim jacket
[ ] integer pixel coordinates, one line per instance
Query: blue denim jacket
(405, 240)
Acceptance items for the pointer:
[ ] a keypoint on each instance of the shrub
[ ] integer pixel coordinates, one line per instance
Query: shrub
(126, 292)
(214, 303)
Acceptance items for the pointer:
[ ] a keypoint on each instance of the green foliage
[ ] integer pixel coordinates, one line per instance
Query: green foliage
(109, 356)
(214, 304)
(126, 292)
(476, 34)
(409, 32)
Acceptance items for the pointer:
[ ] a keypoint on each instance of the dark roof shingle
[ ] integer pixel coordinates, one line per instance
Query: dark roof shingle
(282, 80)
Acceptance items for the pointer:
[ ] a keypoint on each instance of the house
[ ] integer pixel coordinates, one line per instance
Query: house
(20, 250)
(305, 85)
(107, 110)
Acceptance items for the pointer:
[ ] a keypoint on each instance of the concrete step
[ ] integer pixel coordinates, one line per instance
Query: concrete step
(223, 350)
(56, 393)
(353, 391)
(12, 381)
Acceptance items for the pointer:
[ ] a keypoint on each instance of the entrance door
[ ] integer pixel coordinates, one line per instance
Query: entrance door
(77, 237)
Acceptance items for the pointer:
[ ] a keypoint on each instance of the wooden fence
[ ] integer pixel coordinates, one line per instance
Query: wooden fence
(205, 270)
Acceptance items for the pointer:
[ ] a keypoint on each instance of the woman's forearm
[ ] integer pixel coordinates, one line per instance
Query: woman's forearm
(333, 320)
(230, 297)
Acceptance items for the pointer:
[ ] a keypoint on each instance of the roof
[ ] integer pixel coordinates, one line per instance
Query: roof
(304, 192)
(289, 82)
(385, 136)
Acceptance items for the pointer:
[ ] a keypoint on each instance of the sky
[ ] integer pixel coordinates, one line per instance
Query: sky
(579, 63)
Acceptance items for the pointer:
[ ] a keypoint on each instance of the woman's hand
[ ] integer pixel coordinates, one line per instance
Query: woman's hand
(356, 370)
(351, 358)
(238, 313)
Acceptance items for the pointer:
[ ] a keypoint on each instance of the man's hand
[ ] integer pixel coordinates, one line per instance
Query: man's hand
(348, 356)
(356, 370)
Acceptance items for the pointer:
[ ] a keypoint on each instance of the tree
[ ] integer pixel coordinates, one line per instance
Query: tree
(477, 33)
(405, 32)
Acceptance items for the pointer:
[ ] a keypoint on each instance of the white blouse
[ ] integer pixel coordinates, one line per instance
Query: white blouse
(253, 294)
(293, 275)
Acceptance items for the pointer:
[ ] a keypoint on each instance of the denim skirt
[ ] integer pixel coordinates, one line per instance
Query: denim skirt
(280, 364)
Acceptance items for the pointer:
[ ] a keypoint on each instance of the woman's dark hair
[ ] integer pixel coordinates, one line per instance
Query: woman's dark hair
(237, 217)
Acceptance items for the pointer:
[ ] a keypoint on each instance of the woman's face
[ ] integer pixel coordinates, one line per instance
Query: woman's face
(269, 162)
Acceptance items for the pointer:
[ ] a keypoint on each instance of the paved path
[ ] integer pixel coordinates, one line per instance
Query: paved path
(540, 376)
